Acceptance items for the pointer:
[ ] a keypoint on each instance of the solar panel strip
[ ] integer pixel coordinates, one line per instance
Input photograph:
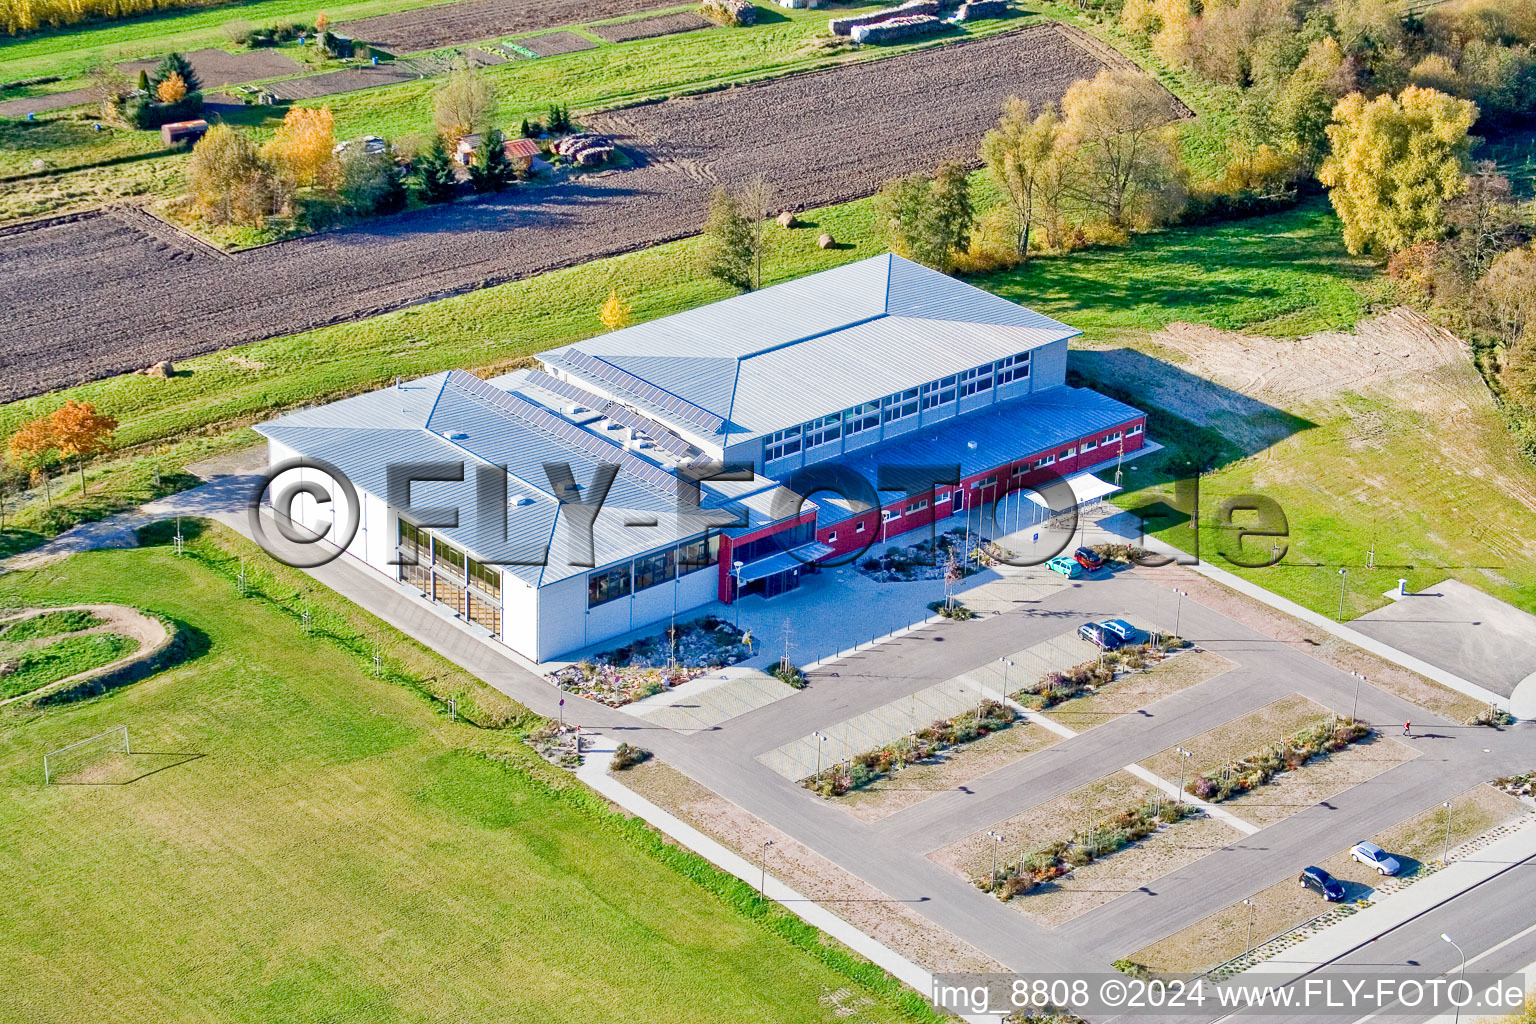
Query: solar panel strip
(542, 418)
(644, 390)
(616, 411)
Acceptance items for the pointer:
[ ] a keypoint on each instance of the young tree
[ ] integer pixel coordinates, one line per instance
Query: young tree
(1304, 103)
(35, 447)
(172, 89)
(928, 219)
(369, 183)
(616, 313)
(13, 481)
(108, 83)
(1018, 154)
(1393, 164)
(1483, 221)
(229, 180)
(433, 170)
(1506, 296)
(491, 170)
(80, 433)
(176, 64)
(302, 149)
(736, 237)
(1127, 161)
(464, 104)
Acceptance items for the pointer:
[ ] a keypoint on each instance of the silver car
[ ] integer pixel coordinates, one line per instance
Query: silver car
(1374, 856)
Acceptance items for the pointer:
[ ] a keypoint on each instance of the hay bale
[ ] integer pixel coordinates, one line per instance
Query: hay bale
(164, 369)
(825, 241)
(787, 219)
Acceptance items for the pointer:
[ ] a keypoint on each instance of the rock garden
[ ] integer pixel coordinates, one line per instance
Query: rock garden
(654, 664)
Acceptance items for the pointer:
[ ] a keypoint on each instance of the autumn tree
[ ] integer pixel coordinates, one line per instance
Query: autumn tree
(1483, 222)
(81, 433)
(175, 64)
(464, 104)
(1393, 164)
(736, 236)
(1126, 159)
(302, 150)
(35, 447)
(1505, 297)
(1018, 154)
(1303, 103)
(172, 89)
(229, 181)
(928, 219)
(616, 313)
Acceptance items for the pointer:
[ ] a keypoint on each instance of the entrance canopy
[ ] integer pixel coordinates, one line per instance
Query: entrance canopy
(782, 561)
(1086, 488)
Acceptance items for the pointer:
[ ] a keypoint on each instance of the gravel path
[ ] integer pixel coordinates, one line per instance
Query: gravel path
(94, 295)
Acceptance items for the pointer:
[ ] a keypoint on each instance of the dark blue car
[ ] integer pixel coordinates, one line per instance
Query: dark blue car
(1322, 883)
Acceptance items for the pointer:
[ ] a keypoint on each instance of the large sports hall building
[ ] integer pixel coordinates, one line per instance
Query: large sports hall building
(827, 378)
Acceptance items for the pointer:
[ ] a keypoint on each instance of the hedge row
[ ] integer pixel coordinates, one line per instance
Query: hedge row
(1316, 740)
(862, 769)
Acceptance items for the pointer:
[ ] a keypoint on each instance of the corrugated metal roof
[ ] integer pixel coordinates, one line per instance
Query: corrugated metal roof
(819, 344)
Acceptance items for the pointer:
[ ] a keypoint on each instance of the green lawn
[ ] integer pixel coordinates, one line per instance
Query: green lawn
(49, 624)
(42, 666)
(320, 845)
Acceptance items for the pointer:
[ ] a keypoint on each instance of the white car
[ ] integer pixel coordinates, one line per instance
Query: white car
(1374, 856)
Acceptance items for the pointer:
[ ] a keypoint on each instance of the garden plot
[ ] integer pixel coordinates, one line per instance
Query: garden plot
(817, 138)
(470, 21)
(646, 28)
(799, 759)
(1319, 779)
(706, 702)
(947, 770)
(1139, 690)
(551, 44)
(333, 82)
(217, 68)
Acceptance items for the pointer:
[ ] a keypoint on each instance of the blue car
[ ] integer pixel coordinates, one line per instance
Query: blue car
(1120, 628)
(1066, 566)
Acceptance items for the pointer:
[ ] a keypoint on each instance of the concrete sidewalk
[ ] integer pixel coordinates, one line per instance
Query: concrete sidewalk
(1341, 939)
(594, 772)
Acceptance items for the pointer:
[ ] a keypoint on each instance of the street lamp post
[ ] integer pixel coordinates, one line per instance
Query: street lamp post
(1354, 713)
(762, 865)
(1184, 755)
(1178, 610)
(1445, 857)
(736, 592)
(1343, 583)
(1452, 941)
(1007, 664)
(997, 840)
(1251, 912)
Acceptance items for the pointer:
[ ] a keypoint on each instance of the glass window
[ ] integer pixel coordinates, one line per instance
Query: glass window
(486, 577)
(1012, 368)
(1045, 460)
(415, 544)
(1089, 446)
(861, 418)
(1112, 438)
(449, 557)
(608, 585)
(942, 497)
(698, 554)
(899, 407)
(917, 506)
(485, 613)
(974, 382)
(781, 443)
(859, 528)
(1069, 453)
(653, 570)
(832, 537)
(824, 431)
(939, 392)
(1134, 430)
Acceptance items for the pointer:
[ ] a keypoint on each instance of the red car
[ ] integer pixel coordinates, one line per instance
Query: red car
(1088, 559)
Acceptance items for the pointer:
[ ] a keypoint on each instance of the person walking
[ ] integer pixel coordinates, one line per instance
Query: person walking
(1408, 729)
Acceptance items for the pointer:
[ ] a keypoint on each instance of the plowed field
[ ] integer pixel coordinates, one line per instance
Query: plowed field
(100, 295)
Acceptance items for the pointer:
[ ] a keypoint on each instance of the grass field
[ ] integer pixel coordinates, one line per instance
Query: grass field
(321, 845)
(39, 666)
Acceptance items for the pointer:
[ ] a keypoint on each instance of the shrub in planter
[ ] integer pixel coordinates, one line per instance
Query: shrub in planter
(789, 674)
(626, 757)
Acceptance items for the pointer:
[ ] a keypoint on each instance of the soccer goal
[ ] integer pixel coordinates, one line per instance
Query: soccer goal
(87, 759)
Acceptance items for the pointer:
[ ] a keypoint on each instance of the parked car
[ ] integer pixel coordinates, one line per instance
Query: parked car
(1066, 566)
(1120, 628)
(1096, 634)
(1374, 856)
(1322, 883)
(1088, 559)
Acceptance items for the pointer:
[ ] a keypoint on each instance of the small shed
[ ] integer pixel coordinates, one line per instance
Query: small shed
(464, 152)
(183, 133)
(521, 152)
